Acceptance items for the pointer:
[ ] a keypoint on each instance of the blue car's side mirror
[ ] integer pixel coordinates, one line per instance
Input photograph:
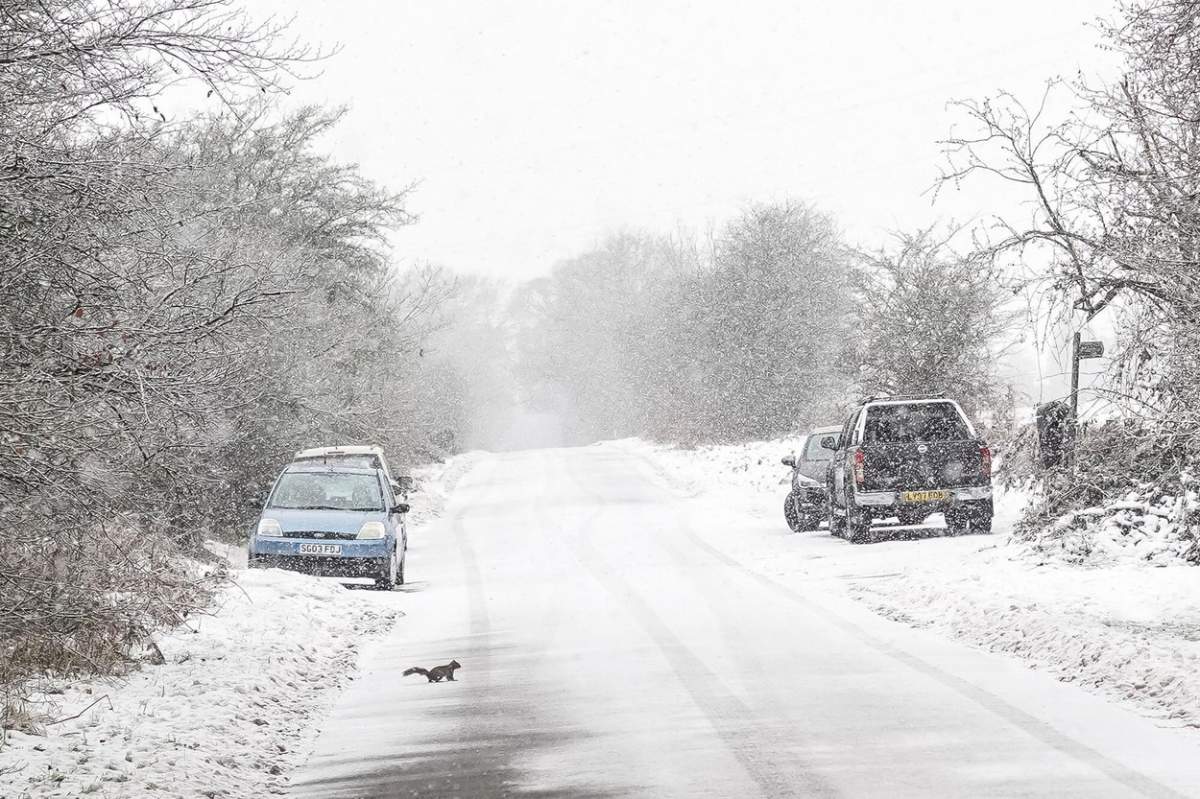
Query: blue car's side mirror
(401, 507)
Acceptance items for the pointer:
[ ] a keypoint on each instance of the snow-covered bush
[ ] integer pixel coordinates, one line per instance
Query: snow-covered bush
(1128, 495)
(1144, 525)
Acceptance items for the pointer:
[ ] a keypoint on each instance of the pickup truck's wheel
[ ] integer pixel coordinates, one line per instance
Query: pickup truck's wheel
(970, 517)
(957, 522)
(979, 516)
(837, 524)
(858, 524)
(790, 515)
(400, 570)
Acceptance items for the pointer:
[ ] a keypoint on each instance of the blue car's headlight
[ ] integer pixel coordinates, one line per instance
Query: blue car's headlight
(371, 531)
(269, 528)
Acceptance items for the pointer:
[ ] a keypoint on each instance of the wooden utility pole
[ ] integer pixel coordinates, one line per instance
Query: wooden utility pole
(1080, 351)
(1074, 386)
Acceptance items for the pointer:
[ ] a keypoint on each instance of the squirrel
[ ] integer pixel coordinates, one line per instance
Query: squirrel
(437, 673)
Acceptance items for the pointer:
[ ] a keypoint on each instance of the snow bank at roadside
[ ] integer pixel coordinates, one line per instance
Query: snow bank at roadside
(434, 484)
(1145, 525)
(1119, 625)
(227, 715)
(753, 467)
(1130, 632)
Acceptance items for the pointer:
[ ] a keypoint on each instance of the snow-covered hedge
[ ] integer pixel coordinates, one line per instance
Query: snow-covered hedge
(1144, 525)
(228, 712)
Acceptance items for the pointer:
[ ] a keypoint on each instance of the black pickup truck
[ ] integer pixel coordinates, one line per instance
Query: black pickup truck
(908, 457)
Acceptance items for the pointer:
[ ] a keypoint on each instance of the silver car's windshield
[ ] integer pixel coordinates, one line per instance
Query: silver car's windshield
(813, 451)
(327, 491)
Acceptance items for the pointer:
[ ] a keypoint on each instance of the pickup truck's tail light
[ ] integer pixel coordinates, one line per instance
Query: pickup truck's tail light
(860, 465)
(985, 461)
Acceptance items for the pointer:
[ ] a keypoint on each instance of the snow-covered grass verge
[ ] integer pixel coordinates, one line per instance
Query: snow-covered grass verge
(741, 468)
(1128, 631)
(227, 714)
(1128, 627)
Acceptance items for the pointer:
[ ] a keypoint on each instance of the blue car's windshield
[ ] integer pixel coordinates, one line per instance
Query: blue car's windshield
(327, 491)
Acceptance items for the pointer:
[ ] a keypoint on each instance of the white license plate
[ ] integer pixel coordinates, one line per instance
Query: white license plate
(320, 549)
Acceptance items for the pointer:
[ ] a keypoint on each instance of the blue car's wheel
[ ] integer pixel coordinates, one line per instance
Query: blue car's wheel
(386, 580)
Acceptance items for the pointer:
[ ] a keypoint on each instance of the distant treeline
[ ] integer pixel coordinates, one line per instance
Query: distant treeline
(772, 325)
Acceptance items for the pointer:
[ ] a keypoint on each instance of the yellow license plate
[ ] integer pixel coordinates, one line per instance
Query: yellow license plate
(924, 496)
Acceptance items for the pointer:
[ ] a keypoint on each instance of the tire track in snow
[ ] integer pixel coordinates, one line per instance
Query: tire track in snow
(730, 717)
(479, 623)
(750, 666)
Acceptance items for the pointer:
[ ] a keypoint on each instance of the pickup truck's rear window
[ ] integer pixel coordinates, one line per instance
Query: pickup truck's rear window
(904, 424)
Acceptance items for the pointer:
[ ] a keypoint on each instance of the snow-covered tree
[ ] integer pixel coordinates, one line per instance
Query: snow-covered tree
(931, 320)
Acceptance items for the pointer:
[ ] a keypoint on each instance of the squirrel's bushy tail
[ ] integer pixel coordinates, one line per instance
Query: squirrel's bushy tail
(416, 670)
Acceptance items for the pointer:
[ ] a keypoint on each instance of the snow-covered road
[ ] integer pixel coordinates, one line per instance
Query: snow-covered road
(611, 645)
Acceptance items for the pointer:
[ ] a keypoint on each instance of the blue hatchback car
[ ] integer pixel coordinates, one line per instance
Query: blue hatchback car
(337, 521)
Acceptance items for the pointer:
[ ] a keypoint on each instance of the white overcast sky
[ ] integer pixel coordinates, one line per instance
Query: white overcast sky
(534, 128)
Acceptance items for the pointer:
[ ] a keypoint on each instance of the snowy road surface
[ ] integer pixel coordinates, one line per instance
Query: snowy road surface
(611, 647)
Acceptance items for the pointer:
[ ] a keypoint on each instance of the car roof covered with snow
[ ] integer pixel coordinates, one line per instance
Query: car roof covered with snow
(816, 431)
(351, 449)
(907, 399)
(337, 468)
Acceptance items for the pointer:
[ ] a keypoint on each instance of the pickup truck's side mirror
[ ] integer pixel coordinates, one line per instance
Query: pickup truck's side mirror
(788, 460)
(829, 442)
(401, 507)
